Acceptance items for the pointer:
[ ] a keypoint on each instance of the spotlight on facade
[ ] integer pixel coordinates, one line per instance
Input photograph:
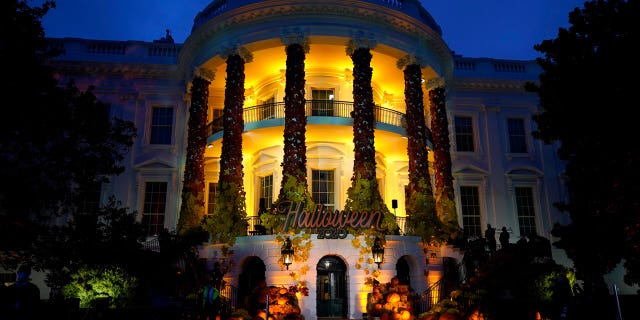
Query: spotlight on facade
(287, 252)
(377, 251)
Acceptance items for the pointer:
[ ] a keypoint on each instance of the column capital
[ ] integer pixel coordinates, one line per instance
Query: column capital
(234, 49)
(295, 36)
(360, 39)
(409, 60)
(204, 73)
(434, 83)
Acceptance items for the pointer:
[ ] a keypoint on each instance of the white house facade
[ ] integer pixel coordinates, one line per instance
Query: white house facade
(501, 175)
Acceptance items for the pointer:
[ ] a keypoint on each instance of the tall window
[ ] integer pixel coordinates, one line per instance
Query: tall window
(211, 198)
(517, 137)
(322, 104)
(464, 134)
(89, 198)
(155, 203)
(322, 188)
(526, 210)
(266, 192)
(161, 125)
(470, 208)
(269, 109)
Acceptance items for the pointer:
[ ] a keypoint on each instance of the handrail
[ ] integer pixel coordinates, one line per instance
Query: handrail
(313, 108)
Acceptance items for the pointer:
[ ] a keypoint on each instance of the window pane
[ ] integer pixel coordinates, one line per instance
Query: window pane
(470, 208)
(161, 125)
(211, 198)
(464, 134)
(322, 191)
(266, 191)
(322, 102)
(155, 200)
(517, 138)
(526, 210)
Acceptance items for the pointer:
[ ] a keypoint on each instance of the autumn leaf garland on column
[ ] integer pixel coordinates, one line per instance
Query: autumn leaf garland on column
(228, 221)
(444, 192)
(294, 163)
(420, 204)
(363, 194)
(192, 207)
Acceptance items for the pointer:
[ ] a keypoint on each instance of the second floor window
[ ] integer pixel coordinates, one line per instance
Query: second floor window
(517, 137)
(322, 188)
(470, 209)
(161, 125)
(322, 102)
(464, 134)
(268, 109)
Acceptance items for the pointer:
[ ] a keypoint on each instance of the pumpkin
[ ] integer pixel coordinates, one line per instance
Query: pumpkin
(377, 306)
(405, 315)
(283, 291)
(449, 316)
(393, 298)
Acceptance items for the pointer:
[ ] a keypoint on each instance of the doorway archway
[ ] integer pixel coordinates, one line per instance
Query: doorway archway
(331, 284)
(252, 274)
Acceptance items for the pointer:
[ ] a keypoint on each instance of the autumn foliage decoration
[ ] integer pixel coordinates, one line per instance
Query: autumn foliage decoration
(444, 192)
(294, 165)
(192, 207)
(228, 220)
(363, 194)
(420, 203)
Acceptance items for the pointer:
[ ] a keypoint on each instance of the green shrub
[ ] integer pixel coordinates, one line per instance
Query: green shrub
(94, 284)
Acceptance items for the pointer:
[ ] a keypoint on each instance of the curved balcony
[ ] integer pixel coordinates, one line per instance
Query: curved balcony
(317, 112)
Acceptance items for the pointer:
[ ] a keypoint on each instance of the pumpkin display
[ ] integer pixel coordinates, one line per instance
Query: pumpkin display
(393, 298)
(392, 301)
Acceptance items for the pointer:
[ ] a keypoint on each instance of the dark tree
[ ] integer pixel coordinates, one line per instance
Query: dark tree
(588, 109)
(55, 140)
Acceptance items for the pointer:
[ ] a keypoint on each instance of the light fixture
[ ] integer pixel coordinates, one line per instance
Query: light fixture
(287, 252)
(377, 251)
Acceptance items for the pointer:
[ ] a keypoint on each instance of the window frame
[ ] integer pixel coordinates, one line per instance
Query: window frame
(153, 127)
(521, 137)
(469, 135)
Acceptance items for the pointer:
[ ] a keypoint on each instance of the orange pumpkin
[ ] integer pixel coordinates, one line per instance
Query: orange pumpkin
(449, 316)
(393, 298)
(405, 315)
(283, 291)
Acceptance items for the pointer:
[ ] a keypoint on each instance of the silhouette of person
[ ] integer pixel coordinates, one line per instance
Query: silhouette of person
(23, 297)
(490, 236)
(210, 300)
(504, 238)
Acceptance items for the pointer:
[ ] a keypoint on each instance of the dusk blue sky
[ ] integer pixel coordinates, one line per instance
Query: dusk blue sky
(504, 29)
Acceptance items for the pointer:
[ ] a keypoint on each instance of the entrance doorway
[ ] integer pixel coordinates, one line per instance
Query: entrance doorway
(331, 285)
(253, 273)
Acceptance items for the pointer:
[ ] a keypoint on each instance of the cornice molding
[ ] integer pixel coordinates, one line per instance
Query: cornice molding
(485, 83)
(116, 69)
(374, 14)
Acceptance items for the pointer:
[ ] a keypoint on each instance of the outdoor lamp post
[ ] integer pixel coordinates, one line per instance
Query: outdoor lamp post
(377, 251)
(287, 252)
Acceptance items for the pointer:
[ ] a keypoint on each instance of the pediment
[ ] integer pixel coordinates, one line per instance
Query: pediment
(524, 172)
(156, 162)
(471, 170)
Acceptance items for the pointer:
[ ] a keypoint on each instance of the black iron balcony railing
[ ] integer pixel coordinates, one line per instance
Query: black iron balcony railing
(313, 108)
